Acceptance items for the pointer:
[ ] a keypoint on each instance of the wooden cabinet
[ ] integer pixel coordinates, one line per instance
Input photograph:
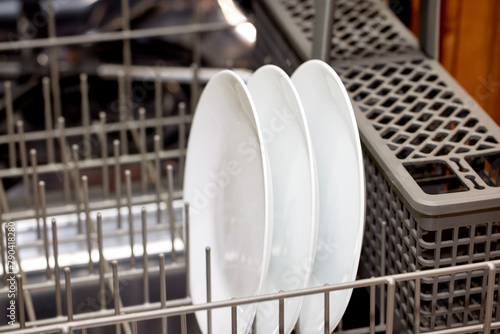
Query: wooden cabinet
(470, 47)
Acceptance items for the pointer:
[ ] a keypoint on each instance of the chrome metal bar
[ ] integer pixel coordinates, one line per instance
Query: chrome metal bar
(142, 149)
(182, 142)
(127, 55)
(20, 301)
(87, 148)
(281, 316)
(9, 120)
(24, 163)
(186, 247)
(99, 205)
(114, 36)
(430, 12)
(183, 324)
(88, 221)
(234, 319)
(48, 119)
(208, 269)
(116, 292)
(382, 295)
(118, 182)
(104, 155)
(163, 290)
(57, 275)
(64, 159)
(326, 310)
(322, 33)
(36, 200)
(145, 277)
(43, 204)
(170, 208)
(157, 177)
(372, 309)
(122, 107)
(102, 270)
(77, 188)
(158, 103)
(69, 293)
(391, 290)
(488, 310)
(53, 58)
(194, 88)
(416, 314)
(96, 128)
(128, 185)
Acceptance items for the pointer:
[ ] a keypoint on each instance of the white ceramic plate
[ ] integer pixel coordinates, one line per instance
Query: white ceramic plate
(335, 138)
(293, 169)
(226, 183)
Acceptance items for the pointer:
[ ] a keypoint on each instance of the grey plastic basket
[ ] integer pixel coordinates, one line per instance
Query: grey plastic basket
(432, 159)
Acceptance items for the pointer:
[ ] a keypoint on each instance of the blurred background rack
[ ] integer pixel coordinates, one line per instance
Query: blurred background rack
(97, 101)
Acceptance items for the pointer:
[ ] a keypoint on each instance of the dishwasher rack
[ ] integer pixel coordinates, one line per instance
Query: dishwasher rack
(129, 293)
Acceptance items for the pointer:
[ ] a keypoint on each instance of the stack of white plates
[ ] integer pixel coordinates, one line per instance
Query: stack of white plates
(274, 178)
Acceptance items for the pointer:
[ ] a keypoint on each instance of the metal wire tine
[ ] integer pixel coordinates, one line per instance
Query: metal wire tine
(102, 270)
(326, 310)
(128, 185)
(20, 301)
(281, 319)
(416, 316)
(372, 308)
(208, 267)
(54, 65)
(183, 324)
(391, 289)
(157, 178)
(134, 327)
(24, 163)
(382, 296)
(158, 104)
(88, 225)
(57, 277)
(194, 88)
(142, 125)
(127, 54)
(36, 202)
(62, 145)
(69, 293)
(43, 204)
(170, 208)
(76, 183)
(48, 119)
(85, 115)
(182, 141)
(145, 274)
(116, 292)
(2, 255)
(118, 191)
(488, 311)
(122, 107)
(163, 289)
(234, 319)
(104, 156)
(186, 247)
(9, 118)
